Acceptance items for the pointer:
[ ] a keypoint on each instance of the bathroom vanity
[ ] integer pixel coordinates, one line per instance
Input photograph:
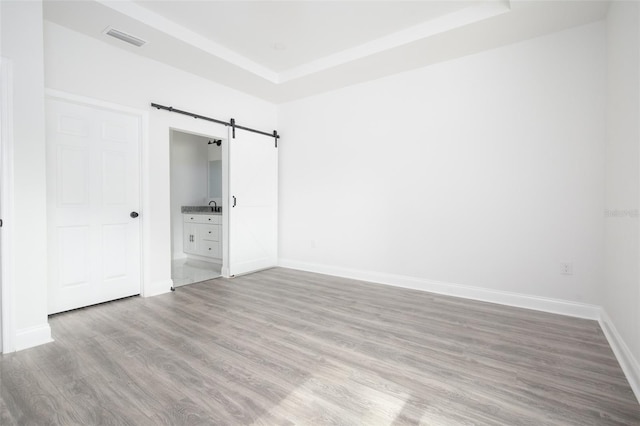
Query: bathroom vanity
(202, 235)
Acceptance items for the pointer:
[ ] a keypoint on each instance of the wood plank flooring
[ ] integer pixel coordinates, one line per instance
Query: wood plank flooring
(283, 347)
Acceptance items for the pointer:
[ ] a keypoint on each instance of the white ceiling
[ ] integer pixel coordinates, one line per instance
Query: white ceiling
(284, 50)
(281, 35)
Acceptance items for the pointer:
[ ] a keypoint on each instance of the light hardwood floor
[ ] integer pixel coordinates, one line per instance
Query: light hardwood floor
(288, 347)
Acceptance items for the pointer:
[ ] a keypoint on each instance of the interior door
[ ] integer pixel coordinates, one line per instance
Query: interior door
(253, 202)
(93, 197)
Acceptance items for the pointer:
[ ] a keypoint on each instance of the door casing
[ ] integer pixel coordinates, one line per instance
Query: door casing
(7, 322)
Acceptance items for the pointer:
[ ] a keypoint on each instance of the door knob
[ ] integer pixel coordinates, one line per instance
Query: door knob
(134, 214)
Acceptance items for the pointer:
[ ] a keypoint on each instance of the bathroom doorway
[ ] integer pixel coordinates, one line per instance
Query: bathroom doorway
(196, 207)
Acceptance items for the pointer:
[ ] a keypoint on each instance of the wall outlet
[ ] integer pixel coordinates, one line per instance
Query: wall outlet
(566, 268)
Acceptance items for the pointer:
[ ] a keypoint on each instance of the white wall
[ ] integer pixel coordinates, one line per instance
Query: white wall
(84, 66)
(621, 289)
(22, 43)
(189, 180)
(484, 171)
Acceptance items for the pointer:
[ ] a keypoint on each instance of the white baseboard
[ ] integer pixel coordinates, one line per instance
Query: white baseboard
(556, 306)
(628, 362)
(32, 336)
(157, 287)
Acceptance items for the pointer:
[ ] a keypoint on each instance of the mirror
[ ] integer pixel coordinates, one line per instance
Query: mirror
(215, 179)
(215, 173)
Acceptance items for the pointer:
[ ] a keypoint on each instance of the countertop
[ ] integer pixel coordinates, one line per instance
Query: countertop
(199, 210)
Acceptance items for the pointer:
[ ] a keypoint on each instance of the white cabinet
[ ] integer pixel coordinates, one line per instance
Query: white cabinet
(189, 244)
(203, 236)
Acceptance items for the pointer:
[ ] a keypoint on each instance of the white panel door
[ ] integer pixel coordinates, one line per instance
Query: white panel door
(93, 188)
(253, 203)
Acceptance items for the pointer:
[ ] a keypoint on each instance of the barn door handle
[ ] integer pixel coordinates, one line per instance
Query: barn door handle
(234, 201)
(134, 214)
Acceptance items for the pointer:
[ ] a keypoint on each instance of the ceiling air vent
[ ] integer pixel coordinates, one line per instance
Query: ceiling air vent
(124, 37)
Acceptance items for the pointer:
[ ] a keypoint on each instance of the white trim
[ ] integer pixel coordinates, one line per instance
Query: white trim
(145, 154)
(186, 35)
(158, 287)
(145, 249)
(633, 375)
(472, 14)
(224, 271)
(70, 97)
(544, 304)
(177, 124)
(33, 336)
(629, 364)
(8, 332)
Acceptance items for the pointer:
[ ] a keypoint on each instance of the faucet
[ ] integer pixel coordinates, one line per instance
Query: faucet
(215, 206)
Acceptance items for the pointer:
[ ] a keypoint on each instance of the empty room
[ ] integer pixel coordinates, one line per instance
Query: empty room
(319, 212)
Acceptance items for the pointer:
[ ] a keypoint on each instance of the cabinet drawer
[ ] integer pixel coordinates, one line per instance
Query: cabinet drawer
(210, 232)
(212, 218)
(202, 218)
(190, 218)
(210, 248)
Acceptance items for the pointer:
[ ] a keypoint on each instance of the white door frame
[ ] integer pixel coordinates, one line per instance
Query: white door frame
(144, 165)
(8, 331)
(225, 183)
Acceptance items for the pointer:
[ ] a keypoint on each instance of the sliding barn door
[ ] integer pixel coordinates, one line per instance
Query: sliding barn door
(93, 197)
(253, 203)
